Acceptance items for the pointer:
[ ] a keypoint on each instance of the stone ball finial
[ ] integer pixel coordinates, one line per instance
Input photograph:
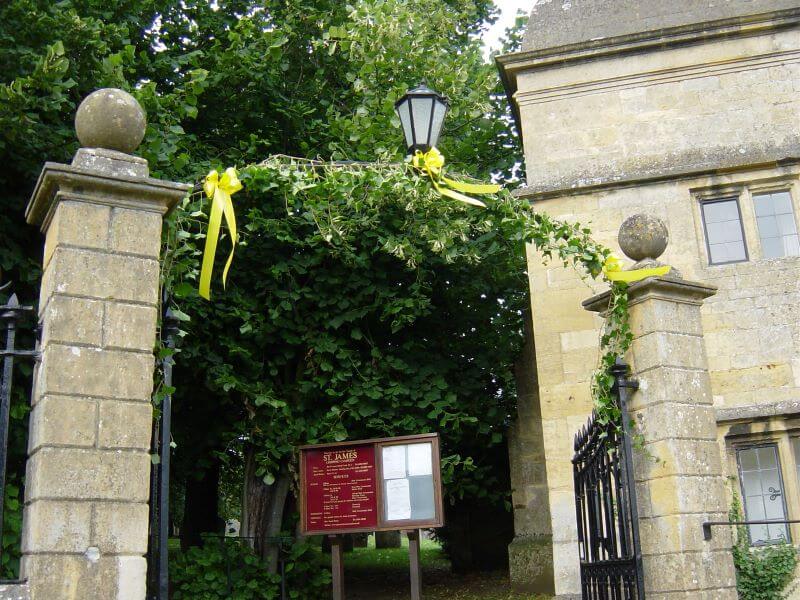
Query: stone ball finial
(112, 119)
(643, 237)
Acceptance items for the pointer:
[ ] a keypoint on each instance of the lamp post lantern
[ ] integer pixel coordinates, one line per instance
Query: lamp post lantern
(421, 111)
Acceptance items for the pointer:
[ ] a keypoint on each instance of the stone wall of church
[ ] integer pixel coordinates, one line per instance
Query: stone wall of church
(661, 131)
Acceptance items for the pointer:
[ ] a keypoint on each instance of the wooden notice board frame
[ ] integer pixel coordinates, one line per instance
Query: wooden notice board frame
(383, 524)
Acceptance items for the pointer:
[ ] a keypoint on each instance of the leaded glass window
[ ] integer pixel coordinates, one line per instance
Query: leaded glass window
(762, 489)
(724, 234)
(776, 225)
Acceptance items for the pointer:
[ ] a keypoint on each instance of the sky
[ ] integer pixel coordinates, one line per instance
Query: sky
(508, 12)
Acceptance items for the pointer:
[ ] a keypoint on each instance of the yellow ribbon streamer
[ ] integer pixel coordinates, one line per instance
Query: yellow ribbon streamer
(220, 190)
(613, 271)
(432, 163)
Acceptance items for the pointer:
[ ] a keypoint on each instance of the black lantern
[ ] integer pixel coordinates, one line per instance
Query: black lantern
(421, 111)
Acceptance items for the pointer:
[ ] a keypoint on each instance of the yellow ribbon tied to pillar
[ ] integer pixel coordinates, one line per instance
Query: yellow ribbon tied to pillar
(613, 271)
(219, 189)
(432, 163)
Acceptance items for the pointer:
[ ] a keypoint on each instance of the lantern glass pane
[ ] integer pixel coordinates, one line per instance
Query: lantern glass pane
(404, 112)
(421, 111)
(439, 111)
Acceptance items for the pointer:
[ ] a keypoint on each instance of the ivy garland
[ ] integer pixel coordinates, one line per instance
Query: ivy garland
(570, 243)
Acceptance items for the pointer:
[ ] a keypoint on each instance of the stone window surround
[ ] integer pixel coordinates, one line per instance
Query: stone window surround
(744, 192)
(779, 431)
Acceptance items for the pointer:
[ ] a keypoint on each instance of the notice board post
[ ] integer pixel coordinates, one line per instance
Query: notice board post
(413, 560)
(384, 484)
(337, 566)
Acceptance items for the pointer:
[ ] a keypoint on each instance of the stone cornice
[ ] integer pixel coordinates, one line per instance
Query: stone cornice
(512, 65)
(651, 40)
(659, 288)
(59, 182)
(534, 193)
(661, 76)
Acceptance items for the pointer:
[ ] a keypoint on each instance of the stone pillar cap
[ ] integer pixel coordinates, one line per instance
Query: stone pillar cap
(664, 288)
(68, 182)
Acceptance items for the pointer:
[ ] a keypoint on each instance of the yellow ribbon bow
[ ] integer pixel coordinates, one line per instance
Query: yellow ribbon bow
(432, 162)
(613, 271)
(220, 190)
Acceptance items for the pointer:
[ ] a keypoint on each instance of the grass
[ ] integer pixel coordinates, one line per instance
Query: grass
(372, 574)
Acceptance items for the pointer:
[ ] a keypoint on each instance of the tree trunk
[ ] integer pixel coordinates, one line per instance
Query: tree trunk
(262, 510)
(273, 528)
(201, 507)
(255, 502)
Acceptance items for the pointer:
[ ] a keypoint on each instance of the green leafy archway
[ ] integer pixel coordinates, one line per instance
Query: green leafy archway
(363, 303)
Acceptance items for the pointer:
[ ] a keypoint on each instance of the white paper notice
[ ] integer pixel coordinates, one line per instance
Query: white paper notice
(398, 500)
(420, 459)
(394, 462)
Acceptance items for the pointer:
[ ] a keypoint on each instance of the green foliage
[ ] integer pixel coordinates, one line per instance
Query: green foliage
(761, 573)
(364, 304)
(231, 82)
(12, 530)
(229, 569)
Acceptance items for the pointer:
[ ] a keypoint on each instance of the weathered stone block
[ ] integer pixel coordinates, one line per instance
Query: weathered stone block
(129, 326)
(664, 349)
(85, 576)
(674, 385)
(14, 591)
(92, 372)
(124, 424)
(685, 571)
(662, 315)
(685, 495)
(136, 232)
(63, 421)
(676, 420)
(530, 562)
(88, 474)
(57, 526)
(77, 224)
(120, 528)
(72, 321)
(684, 532)
(101, 275)
(677, 458)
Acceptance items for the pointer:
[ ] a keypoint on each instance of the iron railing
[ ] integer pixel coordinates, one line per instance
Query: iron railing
(605, 504)
(11, 314)
(707, 535)
(158, 547)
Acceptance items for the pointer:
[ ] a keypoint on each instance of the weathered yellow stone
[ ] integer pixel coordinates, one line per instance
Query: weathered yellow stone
(94, 372)
(75, 474)
(123, 424)
(63, 421)
(72, 321)
(120, 527)
(129, 326)
(135, 232)
(57, 526)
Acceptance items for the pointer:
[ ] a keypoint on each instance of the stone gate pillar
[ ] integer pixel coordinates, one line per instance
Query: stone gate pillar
(678, 472)
(86, 518)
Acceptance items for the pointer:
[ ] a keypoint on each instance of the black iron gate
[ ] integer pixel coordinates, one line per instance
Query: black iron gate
(605, 504)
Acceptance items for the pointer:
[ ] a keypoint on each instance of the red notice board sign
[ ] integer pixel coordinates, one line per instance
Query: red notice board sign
(371, 485)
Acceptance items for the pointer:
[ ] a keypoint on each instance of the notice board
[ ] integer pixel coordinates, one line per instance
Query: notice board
(371, 485)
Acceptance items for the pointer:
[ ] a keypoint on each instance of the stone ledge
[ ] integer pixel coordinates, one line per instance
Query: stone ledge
(758, 411)
(14, 591)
